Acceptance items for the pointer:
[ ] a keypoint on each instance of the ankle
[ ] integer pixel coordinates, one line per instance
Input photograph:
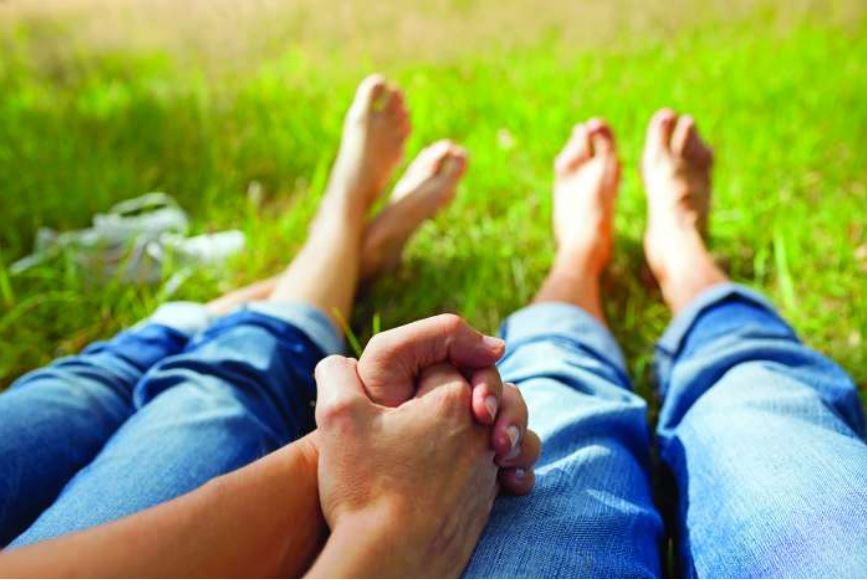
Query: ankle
(584, 260)
(348, 206)
(334, 224)
(573, 281)
(686, 273)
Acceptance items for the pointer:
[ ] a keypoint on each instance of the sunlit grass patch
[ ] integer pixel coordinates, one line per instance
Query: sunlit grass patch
(783, 106)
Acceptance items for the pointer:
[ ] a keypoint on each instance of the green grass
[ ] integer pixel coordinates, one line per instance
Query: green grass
(784, 110)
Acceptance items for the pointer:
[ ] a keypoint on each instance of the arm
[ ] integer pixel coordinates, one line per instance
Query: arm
(265, 519)
(262, 520)
(406, 491)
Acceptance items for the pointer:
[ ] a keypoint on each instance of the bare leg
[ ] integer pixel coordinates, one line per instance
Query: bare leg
(427, 186)
(325, 272)
(676, 170)
(587, 175)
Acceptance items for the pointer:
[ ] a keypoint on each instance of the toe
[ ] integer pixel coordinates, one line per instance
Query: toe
(370, 92)
(601, 137)
(660, 130)
(576, 151)
(396, 111)
(444, 158)
(694, 147)
(426, 164)
(395, 102)
(432, 156)
(684, 132)
(456, 163)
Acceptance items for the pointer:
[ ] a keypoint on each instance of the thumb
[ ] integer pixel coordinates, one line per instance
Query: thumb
(391, 363)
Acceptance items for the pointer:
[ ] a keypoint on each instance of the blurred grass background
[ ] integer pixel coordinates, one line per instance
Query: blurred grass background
(102, 100)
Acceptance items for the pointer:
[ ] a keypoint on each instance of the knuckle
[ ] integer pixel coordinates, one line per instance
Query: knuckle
(331, 366)
(380, 344)
(339, 414)
(327, 363)
(450, 322)
(455, 399)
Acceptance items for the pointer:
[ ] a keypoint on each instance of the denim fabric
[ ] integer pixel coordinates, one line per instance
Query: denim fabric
(237, 391)
(763, 437)
(765, 441)
(591, 513)
(53, 421)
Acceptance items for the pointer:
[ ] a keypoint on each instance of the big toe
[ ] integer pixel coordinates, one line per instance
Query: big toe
(576, 151)
(455, 163)
(431, 157)
(601, 137)
(443, 158)
(370, 94)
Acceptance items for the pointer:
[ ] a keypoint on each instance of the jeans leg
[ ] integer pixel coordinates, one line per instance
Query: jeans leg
(241, 389)
(765, 440)
(591, 513)
(53, 421)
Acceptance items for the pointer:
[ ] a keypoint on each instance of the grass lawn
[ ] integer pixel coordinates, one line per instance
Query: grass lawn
(92, 113)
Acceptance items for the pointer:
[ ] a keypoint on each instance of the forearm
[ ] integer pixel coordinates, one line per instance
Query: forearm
(385, 541)
(366, 545)
(262, 520)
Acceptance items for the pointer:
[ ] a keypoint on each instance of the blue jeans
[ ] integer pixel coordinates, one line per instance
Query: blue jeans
(154, 413)
(763, 439)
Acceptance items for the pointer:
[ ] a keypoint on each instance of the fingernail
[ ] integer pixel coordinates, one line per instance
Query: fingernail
(494, 343)
(520, 474)
(514, 438)
(491, 406)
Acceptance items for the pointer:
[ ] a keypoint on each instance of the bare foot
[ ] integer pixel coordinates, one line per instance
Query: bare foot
(587, 175)
(427, 186)
(374, 133)
(676, 170)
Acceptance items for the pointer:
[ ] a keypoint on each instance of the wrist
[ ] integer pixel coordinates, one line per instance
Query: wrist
(308, 452)
(299, 503)
(362, 544)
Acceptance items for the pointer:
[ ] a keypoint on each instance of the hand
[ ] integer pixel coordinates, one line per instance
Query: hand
(406, 490)
(391, 364)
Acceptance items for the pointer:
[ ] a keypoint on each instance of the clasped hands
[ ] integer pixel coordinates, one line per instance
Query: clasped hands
(415, 440)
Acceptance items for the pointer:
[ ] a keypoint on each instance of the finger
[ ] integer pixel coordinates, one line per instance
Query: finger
(487, 391)
(517, 481)
(531, 448)
(511, 424)
(393, 359)
(438, 376)
(339, 390)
